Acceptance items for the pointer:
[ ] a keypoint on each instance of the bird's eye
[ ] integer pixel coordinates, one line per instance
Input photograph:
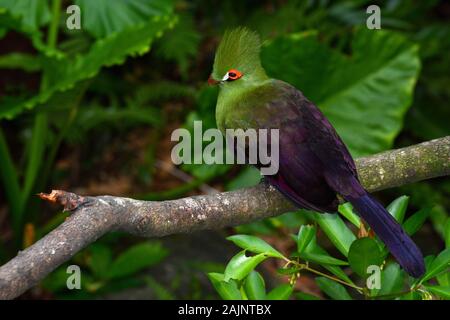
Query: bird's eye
(233, 74)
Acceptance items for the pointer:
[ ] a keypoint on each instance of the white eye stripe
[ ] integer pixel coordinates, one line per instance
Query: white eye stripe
(225, 77)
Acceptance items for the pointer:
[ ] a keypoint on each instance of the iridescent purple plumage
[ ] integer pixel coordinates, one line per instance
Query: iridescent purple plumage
(315, 166)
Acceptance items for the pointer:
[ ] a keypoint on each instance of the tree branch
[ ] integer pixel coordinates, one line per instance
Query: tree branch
(94, 216)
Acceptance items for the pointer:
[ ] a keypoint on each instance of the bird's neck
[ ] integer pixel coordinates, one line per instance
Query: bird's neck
(235, 99)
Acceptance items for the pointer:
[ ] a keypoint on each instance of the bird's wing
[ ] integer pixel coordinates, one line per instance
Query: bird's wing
(339, 169)
(301, 164)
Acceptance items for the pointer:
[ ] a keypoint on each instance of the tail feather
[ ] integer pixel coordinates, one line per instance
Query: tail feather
(391, 233)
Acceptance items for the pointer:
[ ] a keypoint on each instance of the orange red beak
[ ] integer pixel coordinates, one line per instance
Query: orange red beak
(212, 82)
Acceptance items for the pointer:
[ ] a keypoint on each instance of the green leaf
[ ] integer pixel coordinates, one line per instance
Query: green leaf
(254, 244)
(159, 290)
(337, 271)
(64, 73)
(367, 92)
(255, 287)
(363, 253)
(104, 17)
(413, 295)
(443, 279)
(241, 265)
(305, 235)
(305, 296)
(336, 230)
(392, 280)
(10, 179)
(36, 146)
(282, 292)
(398, 207)
(181, 43)
(31, 13)
(346, 210)
(333, 289)
(439, 217)
(57, 280)
(440, 291)
(322, 258)
(428, 261)
(440, 263)
(94, 116)
(248, 177)
(288, 271)
(413, 223)
(136, 258)
(227, 290)
(100, 260)
(20, 60)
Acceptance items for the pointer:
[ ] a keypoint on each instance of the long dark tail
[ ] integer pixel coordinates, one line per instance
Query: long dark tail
(391, 233)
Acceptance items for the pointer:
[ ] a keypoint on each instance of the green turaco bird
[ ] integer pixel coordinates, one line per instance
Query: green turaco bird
(315, 167)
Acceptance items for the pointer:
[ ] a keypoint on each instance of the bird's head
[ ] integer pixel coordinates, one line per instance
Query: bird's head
(237, 60)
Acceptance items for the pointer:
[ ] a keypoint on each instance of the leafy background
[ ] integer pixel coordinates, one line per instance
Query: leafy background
(92, 111)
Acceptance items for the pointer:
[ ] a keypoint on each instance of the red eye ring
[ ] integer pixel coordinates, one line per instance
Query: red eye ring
(234, 74)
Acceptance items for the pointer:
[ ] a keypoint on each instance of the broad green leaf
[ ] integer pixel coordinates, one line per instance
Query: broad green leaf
(333, 289)
(392, 280)
(136, 258)
(413, 223)
(428, 261)
(336, 230)
(306, 296)
(32, 13)
(254, 244)
(305, 235)
(443, 279)
(440, 291)
(282, 292)
(65, 72)
(398, 207)
(241, 265)
(255, 287)
(367, 92)
(439, 264)
(363, 253)
(346, 210)
(104, 17)
(227, 290)
(322, 258)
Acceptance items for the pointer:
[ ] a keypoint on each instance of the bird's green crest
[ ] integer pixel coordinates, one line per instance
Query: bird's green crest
(239, 49)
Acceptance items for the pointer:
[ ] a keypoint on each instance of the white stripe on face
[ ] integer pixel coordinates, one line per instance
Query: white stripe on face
(225, 77)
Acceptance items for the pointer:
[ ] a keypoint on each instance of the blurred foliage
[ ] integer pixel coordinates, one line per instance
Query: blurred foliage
(353, 92)
(241, 281)
(93, 109)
